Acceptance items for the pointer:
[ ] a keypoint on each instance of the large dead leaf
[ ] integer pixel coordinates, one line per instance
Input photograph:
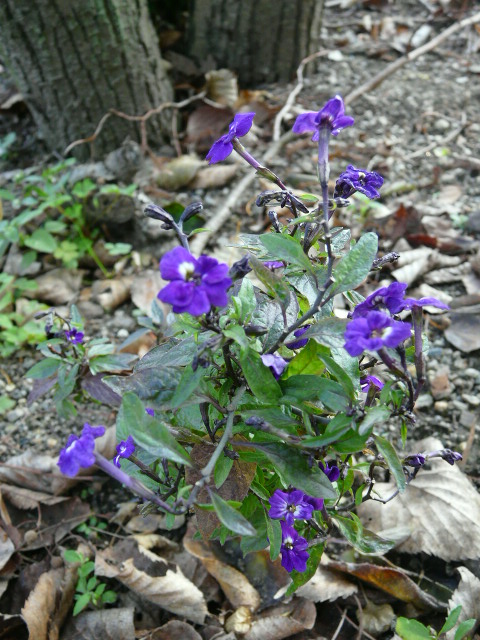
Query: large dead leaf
(152, 577)
(283, 621)
(390, 580)
(27, 498)
(58, 286)
(40, 606)
(214, 177)
(112, 293)
(234, 584)
(34, 471)
(175, 630)
(468, 595)
(235, 486)
(326, 586)
(144, 289)
(109, 624)
(7, 548)
(441, 507)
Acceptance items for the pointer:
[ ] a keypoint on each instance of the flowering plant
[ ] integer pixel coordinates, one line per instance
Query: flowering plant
(255, 409)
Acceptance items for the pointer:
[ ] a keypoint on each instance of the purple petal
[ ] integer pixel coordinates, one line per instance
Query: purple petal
(243, 123)
(217, 293)
(275, 363)
(305, 122)
(94, 432)
(220, 150)
(341, 123)
(171, 261)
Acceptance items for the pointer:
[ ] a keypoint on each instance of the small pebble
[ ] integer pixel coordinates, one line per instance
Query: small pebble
(15, 414)
(461, 406)
(52, 442)
(424, 401)
(122, 334)
(441, 406)
(473, 401)
(471, 373)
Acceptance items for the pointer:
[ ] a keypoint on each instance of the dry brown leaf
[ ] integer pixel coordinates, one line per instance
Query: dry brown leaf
(110, 294)
(222, 87)
(413, 264)
(464, 331)
(153, 578)
(235, 585)
(376, 618)
(179, 172)
(468, 595)
(235, 486)
(34, 471)
(283, 621)
(441, 507)
(109, 624)
(155, 541)
(58, 286)
(214, 177)
(57, 521)
(144, 289)
(389, 579)
(7, 548)
(175, 630)
(240, 621)
(40, 605)
(27, 498)
(326, 586)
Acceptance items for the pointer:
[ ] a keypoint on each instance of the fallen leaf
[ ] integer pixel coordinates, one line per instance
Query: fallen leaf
(464, 331)
(206, 124)
(283, 621)
(57, 287)
(466, 594)
(40, 605)
(240, 621)
(376, 618)
(214, 177)
(7, 548)
(179, 172)
(27, 498)
(413, 264)
(390, 580)
(235, 486)
(441, 506)
(144, 289)
(34, 471)
(108, 624)
(235, 585)
(110, 294)
(151, 522)
(152, 577)
(57, 521)
(175, 630)
(326, 585)
(222, 87)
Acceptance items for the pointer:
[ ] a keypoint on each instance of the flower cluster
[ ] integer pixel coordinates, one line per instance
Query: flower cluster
(79, 451)
(196, 285)
(361, 180)
(373, 327)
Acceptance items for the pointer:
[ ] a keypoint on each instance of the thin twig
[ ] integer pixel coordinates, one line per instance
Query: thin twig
(409, 57)
(141, 119)
(339, 626)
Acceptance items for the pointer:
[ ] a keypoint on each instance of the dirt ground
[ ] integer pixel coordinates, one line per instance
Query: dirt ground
(419, 128)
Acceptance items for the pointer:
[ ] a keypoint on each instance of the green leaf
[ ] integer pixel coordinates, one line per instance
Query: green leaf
(275, 285)
(340, 374)
(109, 597)
(328, 331)
(110, 363)
(409, 629)
(355, 266)
(451, 620)
(294, 469)
(222, 469)
(237, 333)
(307, 361)
(82, 603)
(149, 433)
(259, 377)
(42, 241)
(463, 628)
(337, 427)
(73, 556)
(44, 368)
(274, 534)
(391, 458)
(187, 385)
(301, 578)
(373, 415)
(285, 248)
(6, 404)
(269, 315)
(297, 389)
(362, 539)
(246, 298)
(230, 517)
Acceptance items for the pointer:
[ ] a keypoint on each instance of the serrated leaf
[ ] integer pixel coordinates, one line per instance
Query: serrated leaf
(391, 458)
(355, 266)
(230, 517)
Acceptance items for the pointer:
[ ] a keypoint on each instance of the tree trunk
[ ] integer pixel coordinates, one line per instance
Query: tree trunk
(261, 40)
(74, 61)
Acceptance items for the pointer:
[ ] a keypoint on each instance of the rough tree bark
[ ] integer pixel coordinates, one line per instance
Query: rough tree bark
(74, 61)
(262, 40)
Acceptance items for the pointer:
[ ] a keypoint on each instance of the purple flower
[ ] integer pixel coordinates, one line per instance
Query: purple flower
(375, 331)
(275, 363)
(124, 450)
(417, 460)
(79, 452)
(150, 411)
(298, 344)
(317, 503)
(450, 456)
(331, 471)
(331, 115)
(370, 381)
(389, 298)
(196, 285)
(353, 179)
(273, 264)
(411, 303)
(74, 336)
(293, 549)
(290, 505)
(223, 147)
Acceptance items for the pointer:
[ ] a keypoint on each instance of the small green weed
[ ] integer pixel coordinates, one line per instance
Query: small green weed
(89, 590)
(411, 629)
